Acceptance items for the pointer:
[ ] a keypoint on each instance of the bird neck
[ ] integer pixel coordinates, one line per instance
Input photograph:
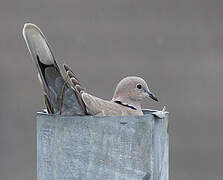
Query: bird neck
(128, 103)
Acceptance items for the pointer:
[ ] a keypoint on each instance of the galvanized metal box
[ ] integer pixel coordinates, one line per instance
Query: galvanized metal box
(102, 148)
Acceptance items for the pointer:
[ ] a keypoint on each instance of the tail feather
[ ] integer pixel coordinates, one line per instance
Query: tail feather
(60, 97)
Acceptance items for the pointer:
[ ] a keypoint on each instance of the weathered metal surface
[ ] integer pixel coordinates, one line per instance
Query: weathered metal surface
(102, 148)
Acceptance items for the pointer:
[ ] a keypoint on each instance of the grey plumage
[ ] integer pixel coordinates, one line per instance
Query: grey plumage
(66, 96)
(60, 97)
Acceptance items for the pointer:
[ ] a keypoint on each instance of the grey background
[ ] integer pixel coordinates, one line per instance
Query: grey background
(175, 45)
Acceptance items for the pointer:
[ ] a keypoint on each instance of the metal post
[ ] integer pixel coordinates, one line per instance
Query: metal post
(102, 148)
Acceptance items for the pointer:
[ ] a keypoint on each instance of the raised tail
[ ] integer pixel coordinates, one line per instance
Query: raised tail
(60, 97)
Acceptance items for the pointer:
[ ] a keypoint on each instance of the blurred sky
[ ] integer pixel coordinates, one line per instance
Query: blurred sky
(176, 45)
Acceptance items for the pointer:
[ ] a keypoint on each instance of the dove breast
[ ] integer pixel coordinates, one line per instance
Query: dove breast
(99, 107)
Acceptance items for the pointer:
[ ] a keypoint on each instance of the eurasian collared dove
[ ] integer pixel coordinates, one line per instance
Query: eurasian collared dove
(65, 96)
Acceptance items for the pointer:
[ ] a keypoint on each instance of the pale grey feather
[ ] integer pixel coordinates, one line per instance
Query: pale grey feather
(61, 97)
(66, 96)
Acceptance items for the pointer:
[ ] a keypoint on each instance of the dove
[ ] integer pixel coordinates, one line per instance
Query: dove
(65, 95)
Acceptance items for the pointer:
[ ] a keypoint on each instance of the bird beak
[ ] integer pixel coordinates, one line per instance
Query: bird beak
(150, 94)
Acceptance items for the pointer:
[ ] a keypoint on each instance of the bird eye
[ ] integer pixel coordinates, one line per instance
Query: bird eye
(139, 86)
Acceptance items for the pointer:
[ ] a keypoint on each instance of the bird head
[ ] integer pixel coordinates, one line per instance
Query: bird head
(132, 89)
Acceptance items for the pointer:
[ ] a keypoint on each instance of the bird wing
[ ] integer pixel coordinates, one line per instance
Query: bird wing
(75, 84)
(60, 97)
(99, 107)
